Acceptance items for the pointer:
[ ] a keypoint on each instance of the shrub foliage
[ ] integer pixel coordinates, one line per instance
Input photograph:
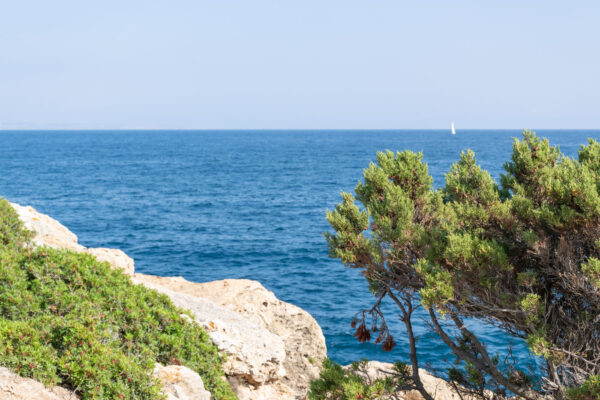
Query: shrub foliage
(337, 383)
(67, 319)
(523, 255)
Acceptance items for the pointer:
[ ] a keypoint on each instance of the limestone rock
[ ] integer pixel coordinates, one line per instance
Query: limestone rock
(181, 383)
(115, 257)
(49, 232)
(301, 335)
(274, 390)
(254, 354)
(15, 387)
(303, 338)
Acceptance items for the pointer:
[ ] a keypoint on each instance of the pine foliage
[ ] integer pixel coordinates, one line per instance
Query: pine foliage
(523, 255)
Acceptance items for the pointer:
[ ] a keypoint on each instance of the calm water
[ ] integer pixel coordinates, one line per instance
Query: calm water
(245, 204)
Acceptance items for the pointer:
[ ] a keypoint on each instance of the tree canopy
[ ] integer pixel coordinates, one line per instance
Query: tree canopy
(523, 255)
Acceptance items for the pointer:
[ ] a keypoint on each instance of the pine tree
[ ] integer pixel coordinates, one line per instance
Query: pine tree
(523, 256)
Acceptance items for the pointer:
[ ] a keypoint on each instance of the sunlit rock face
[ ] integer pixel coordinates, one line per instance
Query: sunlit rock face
(15, 387)
(49, 232)
(274, 348)
(181, 383)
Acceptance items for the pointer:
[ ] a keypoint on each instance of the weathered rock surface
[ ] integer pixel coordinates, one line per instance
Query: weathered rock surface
(254, 354)
(302, 337)
(115, 257)
(274, 390)
(181, 383)
(15, 387)
(49, 232)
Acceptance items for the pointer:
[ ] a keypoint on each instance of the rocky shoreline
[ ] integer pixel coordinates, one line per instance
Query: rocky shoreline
(273, 348)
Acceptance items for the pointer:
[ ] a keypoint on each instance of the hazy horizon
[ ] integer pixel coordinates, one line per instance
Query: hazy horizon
(275, 130)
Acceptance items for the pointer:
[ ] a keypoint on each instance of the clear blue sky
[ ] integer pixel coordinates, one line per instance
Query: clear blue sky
(229, 64)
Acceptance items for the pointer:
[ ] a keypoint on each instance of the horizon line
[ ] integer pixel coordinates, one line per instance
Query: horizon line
(282, 129)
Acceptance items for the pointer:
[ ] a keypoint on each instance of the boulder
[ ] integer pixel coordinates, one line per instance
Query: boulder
(115, 257)
(302, 337)
(15, 387)
(181, 383)
(254, 355)
(49, 232)
(276, 390)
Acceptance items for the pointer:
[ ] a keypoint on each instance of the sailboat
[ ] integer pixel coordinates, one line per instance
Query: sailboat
(453, 130)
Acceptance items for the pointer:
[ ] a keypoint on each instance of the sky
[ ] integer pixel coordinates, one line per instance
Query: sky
(324, 64)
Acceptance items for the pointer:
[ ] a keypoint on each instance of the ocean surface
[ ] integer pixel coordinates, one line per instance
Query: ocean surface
(210, 205)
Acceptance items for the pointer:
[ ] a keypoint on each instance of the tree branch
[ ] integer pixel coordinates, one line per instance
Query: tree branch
(412, 342)
(487, 365)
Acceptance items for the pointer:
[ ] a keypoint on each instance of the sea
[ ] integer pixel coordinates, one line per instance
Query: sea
(209, 205)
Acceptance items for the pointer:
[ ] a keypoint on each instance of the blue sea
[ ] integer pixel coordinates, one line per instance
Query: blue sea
(211, 205)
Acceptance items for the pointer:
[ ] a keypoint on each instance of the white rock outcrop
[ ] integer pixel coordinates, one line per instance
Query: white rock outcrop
(15, 387)
(254, 354)
(181, 383)
(115, 257)
(303, 340)
(49, 232)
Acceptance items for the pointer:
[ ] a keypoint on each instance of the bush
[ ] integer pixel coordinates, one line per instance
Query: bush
(336, 383)
(523, 256)
(67, 319)
(12, 232)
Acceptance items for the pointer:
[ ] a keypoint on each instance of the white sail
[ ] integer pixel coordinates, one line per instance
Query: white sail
(453, 130)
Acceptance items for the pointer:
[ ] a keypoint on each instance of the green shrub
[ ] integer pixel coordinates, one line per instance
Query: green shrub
(336, 383)
(588, 391)
(68, 319)
(12, 232)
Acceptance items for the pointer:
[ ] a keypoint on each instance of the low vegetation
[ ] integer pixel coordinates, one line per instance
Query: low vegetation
(337, 383)
(67, 319)
(522, 255)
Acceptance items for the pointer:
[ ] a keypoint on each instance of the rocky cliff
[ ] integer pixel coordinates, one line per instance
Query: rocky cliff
(273, 348)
